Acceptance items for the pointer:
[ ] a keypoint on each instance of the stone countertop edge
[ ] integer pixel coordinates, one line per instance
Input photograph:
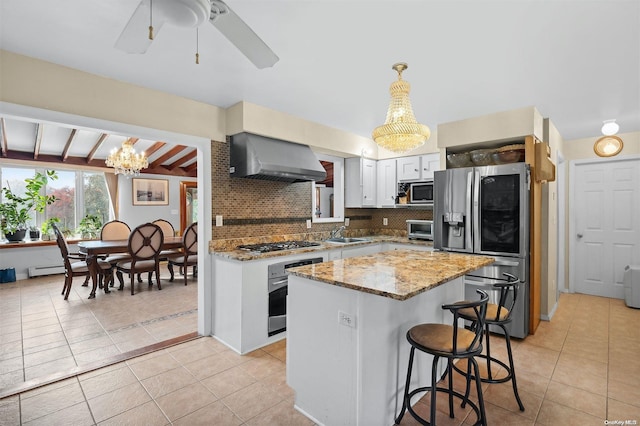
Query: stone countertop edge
(243, 255)
(397, 274)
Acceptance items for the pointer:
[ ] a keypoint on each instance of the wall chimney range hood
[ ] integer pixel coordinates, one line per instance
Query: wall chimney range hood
(260, 157)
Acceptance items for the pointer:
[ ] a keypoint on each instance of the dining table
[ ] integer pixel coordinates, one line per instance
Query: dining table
(92, 249)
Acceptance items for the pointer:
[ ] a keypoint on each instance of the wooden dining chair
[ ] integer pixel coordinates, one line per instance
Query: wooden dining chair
(169, 231)
(79, 267)
(112, 231)
(189, 255)
(144, 246)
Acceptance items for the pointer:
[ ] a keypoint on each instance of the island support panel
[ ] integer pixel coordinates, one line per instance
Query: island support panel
(355, 375)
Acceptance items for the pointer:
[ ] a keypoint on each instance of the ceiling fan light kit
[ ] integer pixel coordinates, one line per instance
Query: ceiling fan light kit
(192, 14)
(401, 132)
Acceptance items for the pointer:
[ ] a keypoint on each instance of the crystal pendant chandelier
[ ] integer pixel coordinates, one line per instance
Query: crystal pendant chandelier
(400, 132)
(125, 161)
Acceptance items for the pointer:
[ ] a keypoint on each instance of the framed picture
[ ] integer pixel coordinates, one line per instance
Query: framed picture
(150, 192)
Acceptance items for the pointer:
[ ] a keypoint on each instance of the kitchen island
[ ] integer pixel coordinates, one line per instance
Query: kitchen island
(346, 348)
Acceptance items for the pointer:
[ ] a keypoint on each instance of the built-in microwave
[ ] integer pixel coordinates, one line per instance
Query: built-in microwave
(420, 229)
(421, 192)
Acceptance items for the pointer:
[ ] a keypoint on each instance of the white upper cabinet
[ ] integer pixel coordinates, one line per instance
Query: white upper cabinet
(387, 183)
(360, 182)
(418, 167)
(429, 163)
(408, 168)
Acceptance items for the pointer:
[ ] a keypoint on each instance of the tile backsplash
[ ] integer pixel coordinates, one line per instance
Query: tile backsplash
(257, 208)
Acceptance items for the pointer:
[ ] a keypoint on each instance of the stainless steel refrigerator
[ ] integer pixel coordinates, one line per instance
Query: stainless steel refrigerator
(485, 210)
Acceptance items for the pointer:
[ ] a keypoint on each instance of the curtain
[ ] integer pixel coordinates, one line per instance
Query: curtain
(112, 186)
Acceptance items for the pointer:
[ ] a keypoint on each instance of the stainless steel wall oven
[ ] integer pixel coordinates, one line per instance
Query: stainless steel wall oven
(278, 287)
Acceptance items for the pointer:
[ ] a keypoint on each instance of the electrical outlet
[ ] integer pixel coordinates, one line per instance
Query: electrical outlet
(308, 223)
(218, 220)
(385, 221)
(346, 319)
(346, 221)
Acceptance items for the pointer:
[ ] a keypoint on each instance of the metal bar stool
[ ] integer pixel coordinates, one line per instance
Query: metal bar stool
(450, 342)
(497, 315)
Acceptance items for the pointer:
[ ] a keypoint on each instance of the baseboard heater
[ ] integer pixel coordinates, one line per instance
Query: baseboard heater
(37, 271)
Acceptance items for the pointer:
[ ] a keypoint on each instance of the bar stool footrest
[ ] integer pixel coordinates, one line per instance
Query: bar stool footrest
(489, 379)
(458, 395)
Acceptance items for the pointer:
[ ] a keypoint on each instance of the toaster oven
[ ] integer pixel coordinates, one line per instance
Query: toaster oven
(420, 229)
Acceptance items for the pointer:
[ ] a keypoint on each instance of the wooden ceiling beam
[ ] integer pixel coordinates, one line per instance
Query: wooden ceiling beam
(38, 144)
(4, 145)
(98, 163)
(67, 146)
(191, 167)
(180, 161)
(156, 146)
(98, 144)
(164, 157)
(133, 140)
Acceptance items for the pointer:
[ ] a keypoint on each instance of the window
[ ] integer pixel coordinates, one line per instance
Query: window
(64, 208)
(327, 202)
(13, 178)
(78, 193)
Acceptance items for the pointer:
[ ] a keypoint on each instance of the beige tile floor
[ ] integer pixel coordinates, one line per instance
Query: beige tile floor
(581, 368)
(41, 333)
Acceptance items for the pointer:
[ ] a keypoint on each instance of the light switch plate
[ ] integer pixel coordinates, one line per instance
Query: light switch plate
(346, 221)
(385, 221)
(219, 220)
(308, 223)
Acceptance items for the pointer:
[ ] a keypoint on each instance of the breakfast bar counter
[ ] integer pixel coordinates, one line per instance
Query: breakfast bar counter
(347, 352)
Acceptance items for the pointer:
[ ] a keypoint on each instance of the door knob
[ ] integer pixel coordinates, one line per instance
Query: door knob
(580, 235)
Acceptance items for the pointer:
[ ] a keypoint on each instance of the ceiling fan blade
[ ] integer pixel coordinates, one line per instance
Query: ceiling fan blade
(243, 37)
(135, 36)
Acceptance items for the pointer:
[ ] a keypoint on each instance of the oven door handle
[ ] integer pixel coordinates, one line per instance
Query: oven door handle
(279, 282)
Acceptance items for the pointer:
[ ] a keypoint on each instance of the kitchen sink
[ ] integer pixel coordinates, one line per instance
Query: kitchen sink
(346, 240)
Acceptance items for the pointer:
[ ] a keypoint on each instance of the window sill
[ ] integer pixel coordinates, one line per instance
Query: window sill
(39, 243)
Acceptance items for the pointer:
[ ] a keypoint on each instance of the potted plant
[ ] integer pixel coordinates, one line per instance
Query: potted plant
(47, 228)
(34, 233)
(90, 226)
(15, 210)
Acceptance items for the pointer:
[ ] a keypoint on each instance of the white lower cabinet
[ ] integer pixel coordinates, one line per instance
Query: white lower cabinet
(360, 250)
(399, 246)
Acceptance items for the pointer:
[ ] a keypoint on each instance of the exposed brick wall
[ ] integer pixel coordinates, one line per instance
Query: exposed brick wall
(254, 208)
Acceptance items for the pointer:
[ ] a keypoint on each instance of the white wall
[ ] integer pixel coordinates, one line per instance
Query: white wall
(137, 215)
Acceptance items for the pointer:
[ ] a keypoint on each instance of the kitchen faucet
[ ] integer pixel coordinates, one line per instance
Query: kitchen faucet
(337, 232)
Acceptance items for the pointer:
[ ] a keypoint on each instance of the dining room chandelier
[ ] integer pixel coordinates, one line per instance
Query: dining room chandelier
(400, 132)
(125, 161)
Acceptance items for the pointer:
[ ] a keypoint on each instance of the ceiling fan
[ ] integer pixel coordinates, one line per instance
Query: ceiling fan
(152, 14)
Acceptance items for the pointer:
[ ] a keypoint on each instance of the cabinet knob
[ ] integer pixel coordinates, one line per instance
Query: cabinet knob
(415, 170)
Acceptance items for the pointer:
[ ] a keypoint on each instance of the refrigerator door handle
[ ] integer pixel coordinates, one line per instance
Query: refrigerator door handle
(505, 263)
(468, 226)
(476, 211)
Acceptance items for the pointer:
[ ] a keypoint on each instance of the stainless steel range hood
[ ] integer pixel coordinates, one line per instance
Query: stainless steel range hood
(260, 157)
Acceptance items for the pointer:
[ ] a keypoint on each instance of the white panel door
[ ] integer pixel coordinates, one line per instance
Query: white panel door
(606, 223)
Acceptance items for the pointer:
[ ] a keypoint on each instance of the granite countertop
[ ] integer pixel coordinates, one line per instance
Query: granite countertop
(242, 255)
(397, 274)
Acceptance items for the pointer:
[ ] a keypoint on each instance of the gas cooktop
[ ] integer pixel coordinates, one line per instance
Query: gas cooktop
(282, 245)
